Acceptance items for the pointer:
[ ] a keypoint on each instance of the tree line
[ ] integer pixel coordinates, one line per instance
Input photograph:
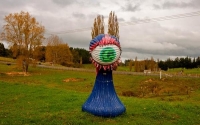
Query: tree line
(182, 62)
(54, 54)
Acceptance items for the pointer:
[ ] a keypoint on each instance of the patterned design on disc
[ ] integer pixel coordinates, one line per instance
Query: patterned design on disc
(107, 54)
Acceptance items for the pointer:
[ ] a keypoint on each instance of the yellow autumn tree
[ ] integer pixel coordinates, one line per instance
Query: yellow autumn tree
(130, 65)
(136, 65)
(98, 26)
(113, 26)
(23, 33)
(39, 53)
(58, 52)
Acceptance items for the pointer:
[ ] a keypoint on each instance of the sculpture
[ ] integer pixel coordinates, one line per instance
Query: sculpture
(103, 101)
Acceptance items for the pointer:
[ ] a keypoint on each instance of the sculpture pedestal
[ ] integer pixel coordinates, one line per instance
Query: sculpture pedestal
(103, 100)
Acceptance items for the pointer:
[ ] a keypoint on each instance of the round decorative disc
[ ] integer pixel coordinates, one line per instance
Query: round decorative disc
(105, 51)
(106, 55)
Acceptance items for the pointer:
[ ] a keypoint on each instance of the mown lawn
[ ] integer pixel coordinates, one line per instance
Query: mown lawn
(43, 97)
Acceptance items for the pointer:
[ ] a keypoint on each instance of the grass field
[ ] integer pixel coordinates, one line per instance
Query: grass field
(185, 71)
(48, 96)
(7, 59)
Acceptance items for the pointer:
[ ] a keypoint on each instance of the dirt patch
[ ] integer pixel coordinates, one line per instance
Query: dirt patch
(167, 88)
(73, 80)
(150, 80)
(17, 74)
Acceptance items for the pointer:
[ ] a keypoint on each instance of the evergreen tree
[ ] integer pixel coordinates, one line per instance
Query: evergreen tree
(198, 62)
(2, 50)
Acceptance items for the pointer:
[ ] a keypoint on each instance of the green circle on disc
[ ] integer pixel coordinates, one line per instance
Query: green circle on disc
(107, 54)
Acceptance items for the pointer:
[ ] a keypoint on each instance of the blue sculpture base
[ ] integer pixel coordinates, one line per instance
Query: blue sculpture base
(103, 100)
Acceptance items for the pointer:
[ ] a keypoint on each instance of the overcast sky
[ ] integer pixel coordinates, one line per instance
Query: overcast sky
(159, 39)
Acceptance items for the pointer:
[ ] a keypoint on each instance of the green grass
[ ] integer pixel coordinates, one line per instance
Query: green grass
(88, 66)
(185, 71)
(7, 59)
(125, 68)
(24, 104)
(44, 98)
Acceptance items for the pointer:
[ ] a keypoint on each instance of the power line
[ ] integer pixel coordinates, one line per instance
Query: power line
(172, 17)
(197, 13)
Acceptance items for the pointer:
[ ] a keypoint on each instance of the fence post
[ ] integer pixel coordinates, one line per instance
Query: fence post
(160, 74)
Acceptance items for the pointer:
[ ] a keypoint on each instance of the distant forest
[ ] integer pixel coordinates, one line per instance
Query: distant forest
(140, 66)
(186, 62)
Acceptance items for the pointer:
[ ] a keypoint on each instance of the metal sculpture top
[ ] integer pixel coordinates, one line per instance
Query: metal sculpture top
(105, 51)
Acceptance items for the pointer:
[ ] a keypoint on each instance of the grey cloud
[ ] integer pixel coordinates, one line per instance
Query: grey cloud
(134, 19)
(171, 5)
(64, 2)
(89, 3)
(2, 15)
(92, 16)
(78, 15)
(155, 6)
(2, 22)
(82, 3)
(121, 19)
(12, 3)
(189, 51)
(130, 7)
(79, 39)
(195, 3)
(154, 40)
